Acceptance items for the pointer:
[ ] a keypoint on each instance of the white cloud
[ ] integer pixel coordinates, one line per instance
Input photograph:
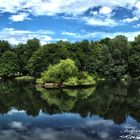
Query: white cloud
(100, 22)
(130, 35)
(53, 7)
(129, 20)
(137, 5)
(19, 17)
(100, 35)
(105, 10)
(46, 7)
(136, 12)
(69, 34)
(71, 8)
(21, 36)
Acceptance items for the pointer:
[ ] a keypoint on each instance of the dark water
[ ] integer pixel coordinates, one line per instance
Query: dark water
(108, 111)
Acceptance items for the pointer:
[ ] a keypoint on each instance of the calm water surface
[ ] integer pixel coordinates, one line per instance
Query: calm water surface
(108, 111)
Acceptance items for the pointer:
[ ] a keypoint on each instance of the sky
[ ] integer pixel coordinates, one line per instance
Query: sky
(68, 20)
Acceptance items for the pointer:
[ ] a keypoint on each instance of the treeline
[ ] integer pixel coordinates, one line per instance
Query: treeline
(108, 58)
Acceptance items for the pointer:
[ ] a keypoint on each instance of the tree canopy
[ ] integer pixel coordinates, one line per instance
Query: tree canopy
(8, 64)
(65, 73)
(107, 58)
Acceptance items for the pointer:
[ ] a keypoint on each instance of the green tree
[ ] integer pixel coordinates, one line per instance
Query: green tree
(85, 54)
(22, 62)
(65, 73)
(106, 63)
(24, 53)
(105, 41)
(58, 73)
(134, 62)
(8, 64)
(4, 46)
(119, 49)
(137, 40)
(46, 55)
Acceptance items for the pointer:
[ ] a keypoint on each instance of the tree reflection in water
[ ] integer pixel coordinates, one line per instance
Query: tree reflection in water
(109, 99)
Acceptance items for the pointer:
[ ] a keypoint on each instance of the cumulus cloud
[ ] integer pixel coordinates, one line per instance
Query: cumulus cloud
(99, 35)
(137, 9)
(46, 7)
(130, 35)
(129, 20)
(19, 17)
(21, 36)
(80, 10)
(51, 7)
(70, 7)
(105, 10)
(69, 34)
(100, 21)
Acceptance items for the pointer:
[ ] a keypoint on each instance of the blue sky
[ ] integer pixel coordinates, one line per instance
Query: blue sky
(72, 20)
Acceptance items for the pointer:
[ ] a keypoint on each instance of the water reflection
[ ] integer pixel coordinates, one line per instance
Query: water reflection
(72, 127)
(29, 113)
(64, 100)
(110, 100)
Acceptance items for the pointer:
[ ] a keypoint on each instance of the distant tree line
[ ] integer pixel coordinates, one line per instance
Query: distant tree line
(108, 58)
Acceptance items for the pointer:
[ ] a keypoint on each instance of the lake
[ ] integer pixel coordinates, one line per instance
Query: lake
(108, 111)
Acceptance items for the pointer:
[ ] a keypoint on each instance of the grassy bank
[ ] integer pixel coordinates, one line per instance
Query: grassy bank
(25, 78)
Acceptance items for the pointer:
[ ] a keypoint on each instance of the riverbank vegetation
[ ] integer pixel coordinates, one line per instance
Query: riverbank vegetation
(24, 78)
(115, 58)
(65, 74)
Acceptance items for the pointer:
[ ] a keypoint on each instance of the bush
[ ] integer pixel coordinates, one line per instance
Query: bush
(60, 72)
(85, 79)
(82, 79)
(65, 73)
(72, 81)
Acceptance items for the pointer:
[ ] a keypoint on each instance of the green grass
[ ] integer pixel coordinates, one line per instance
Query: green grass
(25, 78)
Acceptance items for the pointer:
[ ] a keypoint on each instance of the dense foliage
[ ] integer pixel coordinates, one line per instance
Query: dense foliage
(115, 58)
(8, 64)
(65, 73)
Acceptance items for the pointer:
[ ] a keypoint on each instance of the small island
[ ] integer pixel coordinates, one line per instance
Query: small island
(65, 74)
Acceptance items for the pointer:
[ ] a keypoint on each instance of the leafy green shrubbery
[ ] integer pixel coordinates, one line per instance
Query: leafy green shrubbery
(81, 79)
(66, 73)
(58, 73)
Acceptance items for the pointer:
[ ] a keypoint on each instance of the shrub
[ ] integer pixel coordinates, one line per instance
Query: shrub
(72, 81)
(65, 73)
(58, 73)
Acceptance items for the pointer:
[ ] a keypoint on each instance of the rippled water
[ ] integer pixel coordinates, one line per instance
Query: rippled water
(108, 111)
